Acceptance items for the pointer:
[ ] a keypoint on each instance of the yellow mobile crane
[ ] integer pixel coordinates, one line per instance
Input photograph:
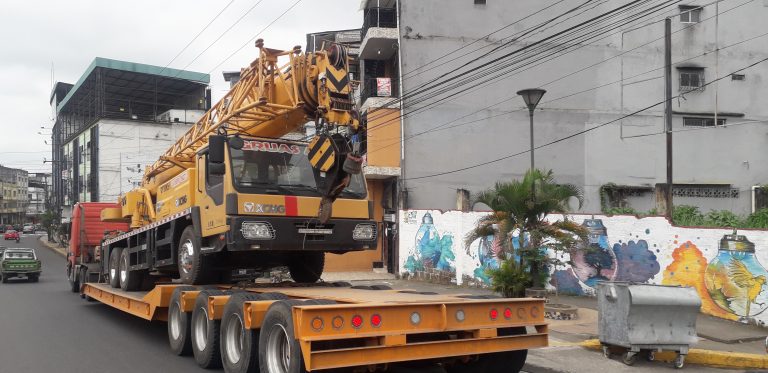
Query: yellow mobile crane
(231, 194)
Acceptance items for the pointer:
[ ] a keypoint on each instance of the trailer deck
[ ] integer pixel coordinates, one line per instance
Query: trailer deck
(365, 326)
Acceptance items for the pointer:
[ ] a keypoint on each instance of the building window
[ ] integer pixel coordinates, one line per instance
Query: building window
(691, 79)
(690, 14)
(479, 2)
(702, 122)
(738, 76)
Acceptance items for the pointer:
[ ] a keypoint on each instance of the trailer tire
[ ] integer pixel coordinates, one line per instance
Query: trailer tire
(239, 346)
(113, 272)
(194, 268)
(129, 280)
(179, 324)
(205, 333)
(275, 336)
(500, 362)
(307, 267)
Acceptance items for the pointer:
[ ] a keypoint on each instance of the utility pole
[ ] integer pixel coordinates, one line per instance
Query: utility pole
(668, 112)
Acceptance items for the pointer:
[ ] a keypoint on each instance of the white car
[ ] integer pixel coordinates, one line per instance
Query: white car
(28, 229)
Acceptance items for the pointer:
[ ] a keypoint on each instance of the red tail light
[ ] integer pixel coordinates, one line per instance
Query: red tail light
(376, 320)
(357, 321)
(507, 313)
(494, 314)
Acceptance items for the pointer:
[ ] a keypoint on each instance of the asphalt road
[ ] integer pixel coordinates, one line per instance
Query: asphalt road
(46, 328)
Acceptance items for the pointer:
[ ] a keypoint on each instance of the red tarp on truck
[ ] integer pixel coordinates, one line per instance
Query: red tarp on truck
(94, 228)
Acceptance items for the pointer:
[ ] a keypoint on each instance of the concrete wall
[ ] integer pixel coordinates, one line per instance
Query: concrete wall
(126, 148)
(731, 284)
(611, 154)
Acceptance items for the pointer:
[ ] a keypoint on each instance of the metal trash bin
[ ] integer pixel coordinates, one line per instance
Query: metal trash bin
(647, 318)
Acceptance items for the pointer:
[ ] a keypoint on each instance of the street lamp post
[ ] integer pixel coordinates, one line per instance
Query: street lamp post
(532, 96)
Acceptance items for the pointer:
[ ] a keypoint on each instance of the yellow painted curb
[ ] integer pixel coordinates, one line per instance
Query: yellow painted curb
(721, 359)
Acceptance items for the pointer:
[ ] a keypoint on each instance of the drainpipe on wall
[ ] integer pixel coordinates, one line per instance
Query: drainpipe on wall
(402, 185)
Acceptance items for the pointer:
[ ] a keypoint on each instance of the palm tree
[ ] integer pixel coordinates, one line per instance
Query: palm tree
(520, 211)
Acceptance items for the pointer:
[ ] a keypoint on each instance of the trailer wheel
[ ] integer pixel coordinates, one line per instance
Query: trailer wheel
(114, 267)
(239, 346)
(205, 332)
(194, 268)
(129, 280)
(307, 267)
(279, 352)
(500, 362)
(179, 324)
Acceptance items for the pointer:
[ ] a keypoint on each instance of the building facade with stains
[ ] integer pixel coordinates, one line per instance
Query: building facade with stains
(461, 126)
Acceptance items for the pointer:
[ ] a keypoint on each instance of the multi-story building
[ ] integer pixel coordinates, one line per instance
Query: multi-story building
(37, 196)
(462, 127)
(117, 119)
(13, 192)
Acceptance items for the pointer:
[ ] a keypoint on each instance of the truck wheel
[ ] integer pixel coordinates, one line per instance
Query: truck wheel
(278, 349)
(129, 280)
(239, 346)
(83, 279)
(194, 268)
(114, 267)
(307, 267)
(179, 324)
(205, 332)
(74, 283)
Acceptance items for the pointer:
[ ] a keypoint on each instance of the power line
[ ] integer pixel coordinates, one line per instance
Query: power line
(196, 36)
(255, 36)
(579, 133)
(222, 34)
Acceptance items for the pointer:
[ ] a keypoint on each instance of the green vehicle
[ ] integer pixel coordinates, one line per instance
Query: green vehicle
(16, 262)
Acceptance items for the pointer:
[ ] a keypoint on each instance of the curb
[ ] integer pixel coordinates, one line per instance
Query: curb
(719, 359)
(52, 247)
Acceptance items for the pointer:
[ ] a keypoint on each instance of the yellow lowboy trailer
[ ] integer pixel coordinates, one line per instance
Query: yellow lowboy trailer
(281, 328)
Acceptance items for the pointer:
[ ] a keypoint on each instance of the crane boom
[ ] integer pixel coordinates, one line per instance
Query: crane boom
(269, 100)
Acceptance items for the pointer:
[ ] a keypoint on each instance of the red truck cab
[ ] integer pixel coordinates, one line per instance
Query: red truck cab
(87, 231)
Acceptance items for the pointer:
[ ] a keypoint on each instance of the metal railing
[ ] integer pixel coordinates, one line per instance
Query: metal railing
(378, 17)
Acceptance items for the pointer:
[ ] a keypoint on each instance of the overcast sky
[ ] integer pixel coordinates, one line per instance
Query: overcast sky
(38, 34)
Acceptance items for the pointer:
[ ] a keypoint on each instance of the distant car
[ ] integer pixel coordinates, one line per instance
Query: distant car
(17, 262)
(11, 235)
(28, 229)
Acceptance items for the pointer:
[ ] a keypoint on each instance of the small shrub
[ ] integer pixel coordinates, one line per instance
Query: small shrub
(509, 279)
(758, 219)
(621, 211)
(722, 218)
(687, 216)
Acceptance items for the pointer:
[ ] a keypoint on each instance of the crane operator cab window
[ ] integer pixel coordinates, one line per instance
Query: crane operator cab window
(281, 168)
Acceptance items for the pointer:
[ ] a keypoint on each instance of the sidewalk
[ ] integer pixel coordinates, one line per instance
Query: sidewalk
(714, 333)
(55, 247)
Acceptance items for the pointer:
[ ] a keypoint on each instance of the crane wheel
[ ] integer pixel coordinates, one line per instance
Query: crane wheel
(194, 268)
(179, 323)
(307, 267)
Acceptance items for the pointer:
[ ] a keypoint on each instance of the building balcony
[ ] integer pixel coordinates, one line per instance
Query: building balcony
(379, 92)
(379, 34)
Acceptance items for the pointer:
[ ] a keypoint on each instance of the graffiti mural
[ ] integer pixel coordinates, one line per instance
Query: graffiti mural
(724, 267)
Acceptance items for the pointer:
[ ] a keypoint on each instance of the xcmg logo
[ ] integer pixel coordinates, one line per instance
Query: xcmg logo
(263, 208)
